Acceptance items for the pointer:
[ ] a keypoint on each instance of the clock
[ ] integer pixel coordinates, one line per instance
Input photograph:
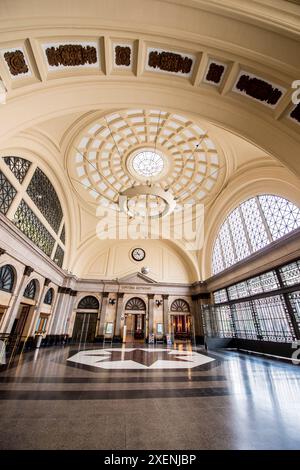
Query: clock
(138, 254)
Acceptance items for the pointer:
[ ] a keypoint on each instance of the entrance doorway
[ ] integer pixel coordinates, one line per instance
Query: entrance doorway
(84, 330)
(135, 327)
(20, 322)
(181, 325)
(135, 318)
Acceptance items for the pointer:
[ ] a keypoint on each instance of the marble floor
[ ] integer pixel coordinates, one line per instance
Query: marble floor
(148, 398)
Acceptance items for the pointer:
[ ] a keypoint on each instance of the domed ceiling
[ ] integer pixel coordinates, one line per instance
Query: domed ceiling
(139, 147)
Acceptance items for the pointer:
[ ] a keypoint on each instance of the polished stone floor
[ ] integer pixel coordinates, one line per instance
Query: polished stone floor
(56, 398)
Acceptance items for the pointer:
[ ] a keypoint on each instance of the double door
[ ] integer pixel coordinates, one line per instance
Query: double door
(85, 325)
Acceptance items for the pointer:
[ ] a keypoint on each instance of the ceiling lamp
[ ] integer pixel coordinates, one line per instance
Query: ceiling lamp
(147, 201)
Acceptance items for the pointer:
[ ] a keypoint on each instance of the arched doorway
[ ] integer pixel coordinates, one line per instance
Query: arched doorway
(181, 320)
(85, 324)
(135, 319)
(22, 321)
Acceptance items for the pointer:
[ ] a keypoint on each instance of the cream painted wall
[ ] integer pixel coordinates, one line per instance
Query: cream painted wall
(111, 260)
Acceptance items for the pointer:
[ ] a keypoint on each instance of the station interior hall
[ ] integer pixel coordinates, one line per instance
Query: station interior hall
(149, 224)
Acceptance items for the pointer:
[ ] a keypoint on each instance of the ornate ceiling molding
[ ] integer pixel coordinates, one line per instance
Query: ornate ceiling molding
(16, 62)
(122, 56)
(71, 55)
(170, 62)
(99, 157)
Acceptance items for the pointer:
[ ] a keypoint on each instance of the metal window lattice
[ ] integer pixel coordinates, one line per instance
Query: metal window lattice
(252, 226)
(59, 256)
(30, 290)
(290, 274)
(7, 194)
(180, 305)
(48, 297)
(135, 304)
(44, 196)
(273, 319)
(31, 226)
(294, 299)
(89, 302)
(6, 278)
(18, 166)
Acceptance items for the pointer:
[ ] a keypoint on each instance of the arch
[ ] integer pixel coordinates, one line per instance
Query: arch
(7, 278)
(135, 303)
(252, 225)
(48, 299)
(88, 302)
(30, 290)
(180, 305)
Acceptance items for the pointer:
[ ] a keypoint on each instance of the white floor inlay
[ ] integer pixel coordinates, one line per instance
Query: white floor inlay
(140, 358)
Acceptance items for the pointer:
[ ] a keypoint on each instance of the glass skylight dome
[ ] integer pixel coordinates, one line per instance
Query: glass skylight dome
(147, 163)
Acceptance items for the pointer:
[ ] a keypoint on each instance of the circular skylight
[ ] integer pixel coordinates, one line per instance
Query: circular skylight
(147, 163)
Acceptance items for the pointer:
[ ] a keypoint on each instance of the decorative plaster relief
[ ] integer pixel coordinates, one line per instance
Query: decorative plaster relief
(214, 73)
(295, 113)
(16, 62)
(122, 56)
(160, 60)
(60, 56)
(258, 89)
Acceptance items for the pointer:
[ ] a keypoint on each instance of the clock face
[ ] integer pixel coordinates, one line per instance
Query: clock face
(138, 254)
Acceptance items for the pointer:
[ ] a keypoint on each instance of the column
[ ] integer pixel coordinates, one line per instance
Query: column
(72, 301)
(119, 309)
(62, 311)
(101, 330)
(38, 308)
(150, 313)
(166, 313)
(13, 311)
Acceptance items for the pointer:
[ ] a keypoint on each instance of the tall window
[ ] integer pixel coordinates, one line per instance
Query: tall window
(39, 214)
(251, 226)
(7, 278)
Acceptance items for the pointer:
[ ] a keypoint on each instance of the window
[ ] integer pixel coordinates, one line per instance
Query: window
(48, 297)
(252, 226)
(290, 273)
(31, 226)
(42, 323)
(294, 299)
(18, 166)
(220, 296)
(180, 305)
(89, 302)
(30, 290)
(7, 194)
(244, 320)
(147, 163)
(7, 278)
(135, 304)
(45, 198)
(225, 324)
(41, 219)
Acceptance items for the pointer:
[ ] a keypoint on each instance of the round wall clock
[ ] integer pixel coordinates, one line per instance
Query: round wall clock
(138, 254)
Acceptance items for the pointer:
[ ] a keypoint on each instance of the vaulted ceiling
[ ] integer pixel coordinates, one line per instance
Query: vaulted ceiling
(77, 75)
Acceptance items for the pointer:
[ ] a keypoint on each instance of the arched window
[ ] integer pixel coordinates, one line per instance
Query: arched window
(49, 297)
(89, 302)
(251, 226)
(135, 304)
(30, 290)
(7, 277)
(180, 305)
(42, 221)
